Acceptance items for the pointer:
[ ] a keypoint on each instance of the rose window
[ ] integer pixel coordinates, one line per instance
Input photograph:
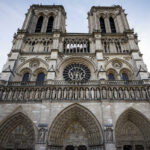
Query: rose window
(76, 73)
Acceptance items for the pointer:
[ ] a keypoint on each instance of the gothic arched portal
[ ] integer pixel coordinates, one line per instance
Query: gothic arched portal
(75, 127)
(17, 132)
(132, 131)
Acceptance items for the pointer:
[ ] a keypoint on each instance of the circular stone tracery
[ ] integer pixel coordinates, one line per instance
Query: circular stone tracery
(77, 73)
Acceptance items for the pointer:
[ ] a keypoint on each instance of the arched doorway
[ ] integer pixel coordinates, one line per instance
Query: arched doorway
(17, 133)
(75, 128)
(132, 131)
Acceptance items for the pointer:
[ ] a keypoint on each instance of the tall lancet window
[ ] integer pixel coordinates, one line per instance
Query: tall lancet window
(102, 25)
(112, 25)
(39, 24)
(40, 78)
(26, 77)
(111, 76)
(125, 77)
(50, 24)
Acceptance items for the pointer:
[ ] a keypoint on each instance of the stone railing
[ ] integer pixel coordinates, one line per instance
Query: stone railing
(60, 91)
(62, 82)
(76, 43)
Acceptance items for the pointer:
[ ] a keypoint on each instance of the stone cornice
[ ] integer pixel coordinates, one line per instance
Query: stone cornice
(59, 7)
(97, 8)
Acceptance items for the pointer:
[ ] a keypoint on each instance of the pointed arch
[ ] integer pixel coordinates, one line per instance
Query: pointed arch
(102, 25)
(83, 116)
(50, 24)
(112, 25)
(18, 124)
(132, 127)
(39, 24)
(125, 64)
(25, 66)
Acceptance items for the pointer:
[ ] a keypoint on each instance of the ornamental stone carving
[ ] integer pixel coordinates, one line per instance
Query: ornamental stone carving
(42, 133)
(108, 134)
(34, 64)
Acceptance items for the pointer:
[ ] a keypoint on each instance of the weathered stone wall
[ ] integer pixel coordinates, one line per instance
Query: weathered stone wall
(107, 113)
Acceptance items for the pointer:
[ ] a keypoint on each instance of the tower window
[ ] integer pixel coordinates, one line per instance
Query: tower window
(111, 76)
(112, 25)
(39, 24)
(50, 24)
(125, 77)
(26, 77)
(40, 78)
(102, 25)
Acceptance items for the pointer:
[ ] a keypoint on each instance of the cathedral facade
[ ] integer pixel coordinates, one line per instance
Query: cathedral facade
(75, 91)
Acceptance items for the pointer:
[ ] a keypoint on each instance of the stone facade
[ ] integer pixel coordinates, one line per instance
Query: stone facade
(69, 91)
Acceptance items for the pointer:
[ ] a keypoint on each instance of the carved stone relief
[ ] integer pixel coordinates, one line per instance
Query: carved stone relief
(108, 134)
(117, 64)
(42, 133)
(76, 135)
(34, 64)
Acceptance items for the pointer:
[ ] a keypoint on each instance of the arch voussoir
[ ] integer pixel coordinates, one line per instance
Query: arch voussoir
(73, 117)
(17, 127)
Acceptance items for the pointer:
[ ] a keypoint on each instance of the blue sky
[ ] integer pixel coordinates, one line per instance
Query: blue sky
(12, 14)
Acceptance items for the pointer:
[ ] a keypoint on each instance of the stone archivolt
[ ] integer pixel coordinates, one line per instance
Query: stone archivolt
(132, 128)
(17, 130)
(86, 122)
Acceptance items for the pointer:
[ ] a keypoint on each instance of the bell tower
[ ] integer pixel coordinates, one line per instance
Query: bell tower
(107, 20)
(43, 19)
(114, 36)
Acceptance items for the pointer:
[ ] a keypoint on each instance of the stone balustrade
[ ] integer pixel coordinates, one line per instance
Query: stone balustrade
(61, 90)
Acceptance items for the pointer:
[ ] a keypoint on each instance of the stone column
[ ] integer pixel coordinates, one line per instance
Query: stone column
(107, 24)
(45, 23)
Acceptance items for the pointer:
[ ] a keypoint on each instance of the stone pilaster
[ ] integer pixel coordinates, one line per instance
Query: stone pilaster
(125, 22)
(41, 143)
(120, 24)
(8, 71)
(109, 141)
(99, 57)
(27, 20)
(139, 66)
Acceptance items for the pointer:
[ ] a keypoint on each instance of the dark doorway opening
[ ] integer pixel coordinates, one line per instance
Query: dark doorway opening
(70, 147)
(82, 147)
(127, 147)
(139, 147)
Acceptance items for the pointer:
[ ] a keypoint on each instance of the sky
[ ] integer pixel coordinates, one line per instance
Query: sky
(12, 15)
